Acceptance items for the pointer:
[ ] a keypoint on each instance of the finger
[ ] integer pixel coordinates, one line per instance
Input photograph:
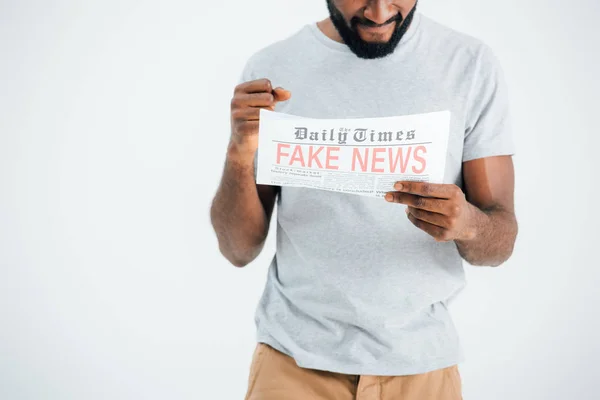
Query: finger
(438, 233)
(423, 203)
(429, 216)
(245, 114)
(256, 86)
(439, 190)
(253, 100)
(281, 94)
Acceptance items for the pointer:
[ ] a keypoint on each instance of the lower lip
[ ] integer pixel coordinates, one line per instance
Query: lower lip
(379, 29)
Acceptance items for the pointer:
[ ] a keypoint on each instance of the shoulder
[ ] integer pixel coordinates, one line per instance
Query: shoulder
(474, 51)
(277, 52)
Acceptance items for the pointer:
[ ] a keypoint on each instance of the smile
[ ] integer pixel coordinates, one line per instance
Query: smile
(375, 29)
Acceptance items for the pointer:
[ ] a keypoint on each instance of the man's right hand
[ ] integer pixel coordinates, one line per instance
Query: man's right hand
(248, 98)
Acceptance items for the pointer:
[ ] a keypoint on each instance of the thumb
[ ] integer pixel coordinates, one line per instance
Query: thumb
(281, 94)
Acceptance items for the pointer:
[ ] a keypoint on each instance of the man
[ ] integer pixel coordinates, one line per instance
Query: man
(355, 305)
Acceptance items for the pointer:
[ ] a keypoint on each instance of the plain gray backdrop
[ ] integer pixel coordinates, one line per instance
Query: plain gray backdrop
(114, 119)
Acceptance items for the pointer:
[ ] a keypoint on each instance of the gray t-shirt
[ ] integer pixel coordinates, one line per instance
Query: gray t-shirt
(354, 287)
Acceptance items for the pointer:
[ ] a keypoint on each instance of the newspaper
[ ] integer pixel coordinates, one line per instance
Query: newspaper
(363, 156)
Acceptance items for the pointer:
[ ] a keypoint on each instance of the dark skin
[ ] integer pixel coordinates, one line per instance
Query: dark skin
(241, 210)
(480, 220)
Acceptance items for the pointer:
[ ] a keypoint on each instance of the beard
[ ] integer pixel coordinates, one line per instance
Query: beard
(362, 48)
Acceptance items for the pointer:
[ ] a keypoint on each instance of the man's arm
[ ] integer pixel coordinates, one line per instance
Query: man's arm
(489, 187)
(241, 210)
(481, 220)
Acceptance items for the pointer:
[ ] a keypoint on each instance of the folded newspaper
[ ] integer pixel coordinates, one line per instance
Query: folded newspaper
(363, 156)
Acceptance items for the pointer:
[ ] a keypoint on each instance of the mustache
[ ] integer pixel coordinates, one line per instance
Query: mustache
(367, 22)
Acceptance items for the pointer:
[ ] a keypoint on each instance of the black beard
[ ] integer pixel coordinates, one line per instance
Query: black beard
(360, 47)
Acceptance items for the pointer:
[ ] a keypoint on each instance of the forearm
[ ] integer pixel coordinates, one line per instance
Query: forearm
(495, 231)
(237, 213)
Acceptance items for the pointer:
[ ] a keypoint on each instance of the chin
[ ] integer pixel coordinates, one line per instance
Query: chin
(382, 37)
(376, 39)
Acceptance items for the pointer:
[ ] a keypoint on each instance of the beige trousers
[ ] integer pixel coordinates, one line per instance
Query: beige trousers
(276, 376)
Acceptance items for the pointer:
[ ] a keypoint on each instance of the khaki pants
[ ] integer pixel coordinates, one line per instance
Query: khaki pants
(276, 376)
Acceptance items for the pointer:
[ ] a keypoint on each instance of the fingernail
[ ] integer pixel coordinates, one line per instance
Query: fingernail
(398, 186)
(389, 197)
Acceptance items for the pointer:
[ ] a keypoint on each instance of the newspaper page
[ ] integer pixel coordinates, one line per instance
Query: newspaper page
(363, 156)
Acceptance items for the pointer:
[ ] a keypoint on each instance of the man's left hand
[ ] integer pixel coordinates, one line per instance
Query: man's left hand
(441, 210)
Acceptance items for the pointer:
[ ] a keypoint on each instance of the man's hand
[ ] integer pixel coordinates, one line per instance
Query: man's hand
(441, 210)
(248, 99)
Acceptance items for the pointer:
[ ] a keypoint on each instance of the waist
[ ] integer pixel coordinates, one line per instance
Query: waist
(354, 337)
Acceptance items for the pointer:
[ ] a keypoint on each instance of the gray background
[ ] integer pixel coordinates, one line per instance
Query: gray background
(113, 125)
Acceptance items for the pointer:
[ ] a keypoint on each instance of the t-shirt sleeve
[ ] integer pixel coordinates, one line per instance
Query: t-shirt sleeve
(247, 72)
(488, 130)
